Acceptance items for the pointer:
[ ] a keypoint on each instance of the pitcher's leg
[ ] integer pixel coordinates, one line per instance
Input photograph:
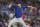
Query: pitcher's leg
(22, 22)
(12, 21)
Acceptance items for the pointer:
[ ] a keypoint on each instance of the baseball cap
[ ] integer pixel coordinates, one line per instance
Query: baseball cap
(19, 2)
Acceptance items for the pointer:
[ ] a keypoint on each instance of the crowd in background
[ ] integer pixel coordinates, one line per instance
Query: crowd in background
(32, 16)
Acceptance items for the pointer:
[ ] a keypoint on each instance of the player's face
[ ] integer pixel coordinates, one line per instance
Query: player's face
(19, 5)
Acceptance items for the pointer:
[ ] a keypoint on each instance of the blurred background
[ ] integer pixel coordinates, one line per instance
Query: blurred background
(30, 16)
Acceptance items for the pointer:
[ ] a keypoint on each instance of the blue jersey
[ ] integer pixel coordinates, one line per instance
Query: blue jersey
(18, 10)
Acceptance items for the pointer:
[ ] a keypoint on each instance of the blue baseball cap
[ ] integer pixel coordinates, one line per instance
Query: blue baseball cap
(19, 2)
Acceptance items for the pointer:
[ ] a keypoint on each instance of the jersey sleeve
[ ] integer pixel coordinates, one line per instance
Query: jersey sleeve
(15, 6)
(24, 7)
